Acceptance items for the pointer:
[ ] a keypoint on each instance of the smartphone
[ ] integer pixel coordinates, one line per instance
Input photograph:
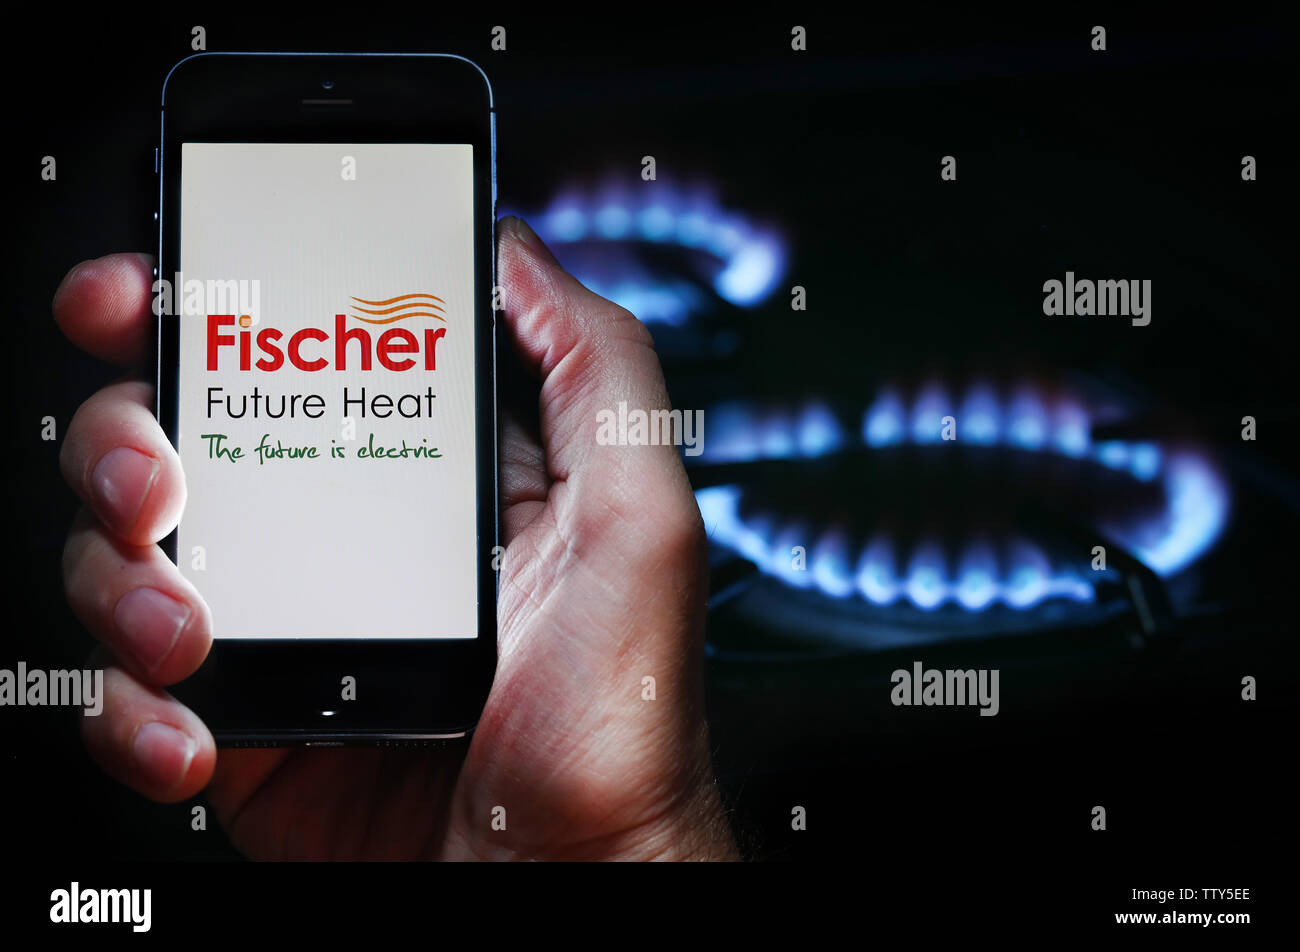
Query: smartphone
(326, 372)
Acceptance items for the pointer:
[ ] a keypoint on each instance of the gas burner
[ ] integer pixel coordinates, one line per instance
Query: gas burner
(988, 501)
(664, 252)
(884, 564)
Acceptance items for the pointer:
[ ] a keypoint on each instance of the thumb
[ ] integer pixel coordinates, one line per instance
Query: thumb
(591, 355)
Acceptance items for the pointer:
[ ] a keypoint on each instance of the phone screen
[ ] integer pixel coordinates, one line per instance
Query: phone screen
(326, 400)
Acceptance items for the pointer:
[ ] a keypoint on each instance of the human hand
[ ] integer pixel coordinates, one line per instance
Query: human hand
(602, 583)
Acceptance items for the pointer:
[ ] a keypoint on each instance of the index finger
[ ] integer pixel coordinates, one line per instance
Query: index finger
(103, 306)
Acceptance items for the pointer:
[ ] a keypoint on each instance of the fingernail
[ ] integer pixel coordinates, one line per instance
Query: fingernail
(525, 233)
(162, 754)
(150, 623)
(120, 483)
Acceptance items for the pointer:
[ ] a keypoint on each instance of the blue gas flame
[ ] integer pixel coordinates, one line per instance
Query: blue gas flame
(1020, 575)
(748, 260)
(1194, 519)
(742, 432)
(1017, 573)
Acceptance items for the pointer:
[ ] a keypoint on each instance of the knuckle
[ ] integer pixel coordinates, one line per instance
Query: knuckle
(682, 533)
(633, 328)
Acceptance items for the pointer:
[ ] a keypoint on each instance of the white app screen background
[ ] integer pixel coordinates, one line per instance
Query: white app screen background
(332, 547)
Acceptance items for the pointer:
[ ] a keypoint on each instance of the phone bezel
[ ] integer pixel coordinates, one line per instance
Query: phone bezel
(278, 691)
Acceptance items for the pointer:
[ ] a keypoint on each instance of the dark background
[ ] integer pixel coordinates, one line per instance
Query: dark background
(1123, 163)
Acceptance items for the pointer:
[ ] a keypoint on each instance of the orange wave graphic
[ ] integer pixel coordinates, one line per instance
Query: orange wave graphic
(418, 305)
